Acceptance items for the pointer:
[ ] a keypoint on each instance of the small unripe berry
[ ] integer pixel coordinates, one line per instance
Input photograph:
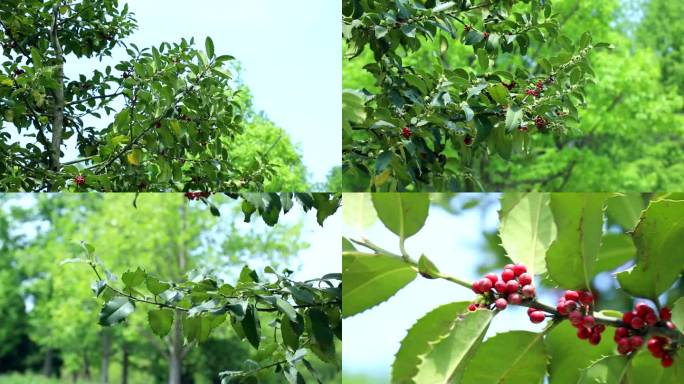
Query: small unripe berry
(537, 317)
(529, 291)
(507, 275)
(512, 286)
(492, 277)
(519, 269)
(525, 279)
(514, 298)
(501, 303)
(571, 295)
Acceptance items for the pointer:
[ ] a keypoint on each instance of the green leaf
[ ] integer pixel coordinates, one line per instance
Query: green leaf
(358, 211)
(493, 362)
(473, 37)
(429, 328)
(427, 268)
(527, 228)
(370, 280)
(155, 286)
(660, 255)
(402, 213)
(198, 328)
(571, 257)
(290, 332)
(626, 209)
(322, 335)
(251, 326)
(610, 369)
(133, 279)
(115, 311)
(616, 250)
(483, 59)
(678, 313)
(209, 45)
(283, 306)
(567, 353)
(447, 357)
(160, 321)
(646, 369)
(514, 116)
(499, 93)
(383, 161)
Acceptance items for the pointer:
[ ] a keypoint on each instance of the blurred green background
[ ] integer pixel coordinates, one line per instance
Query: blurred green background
(49, 330)
(632, 125)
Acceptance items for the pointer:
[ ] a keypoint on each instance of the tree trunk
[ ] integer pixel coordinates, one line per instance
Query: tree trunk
(86, 366)
(106, 352)
(176, 351)
(124, 365)
(58, 112)
(47, 362)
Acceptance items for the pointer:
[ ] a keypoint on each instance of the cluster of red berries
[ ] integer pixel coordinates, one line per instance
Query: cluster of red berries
(538, 88)
(196, 195)
(576, 305)
(540, 122)
(630, 337)
(514, 285)
(485, 35)
(406, 132)
(80, 180)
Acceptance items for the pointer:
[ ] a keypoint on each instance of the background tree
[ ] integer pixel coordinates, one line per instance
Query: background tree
(171, 116)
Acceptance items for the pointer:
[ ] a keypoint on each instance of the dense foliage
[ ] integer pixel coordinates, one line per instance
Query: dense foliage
(176, 119)
(50, 314)
(562, 239)
(645, 150)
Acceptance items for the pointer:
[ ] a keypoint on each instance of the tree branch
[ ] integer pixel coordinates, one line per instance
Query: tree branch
(58, 113)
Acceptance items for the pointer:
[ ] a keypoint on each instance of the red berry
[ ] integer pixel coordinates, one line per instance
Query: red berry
(621, 332)
(537, 317)
(528, 291)
(583, 333)
(666, 361)
(475, 286)
(586, 297)
(670, 325)
(651, 319)
(600, 327)
(509, 266)
(157, 124)
(507, 275)
(636, 341)
(406, 132)
(512, 286)
(514, 298)
(588, 321)
(637, 323)
(595, 338)
(571, 295)
(492, 277)
(642, 310)
(485, 285)
(530, 310)
(472, 307)
(561, 308)
(500, 286)
(79, 180)
(524, 279)
(627, 317)
(570, 305)
(624, 349)
(468, 140)
(655, 344)
(519, 269)
(665, 314)
(485, 35)
(575, 318)
(501, 303)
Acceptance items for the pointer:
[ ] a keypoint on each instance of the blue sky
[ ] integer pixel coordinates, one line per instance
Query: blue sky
(290, 56)
(453, 243)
